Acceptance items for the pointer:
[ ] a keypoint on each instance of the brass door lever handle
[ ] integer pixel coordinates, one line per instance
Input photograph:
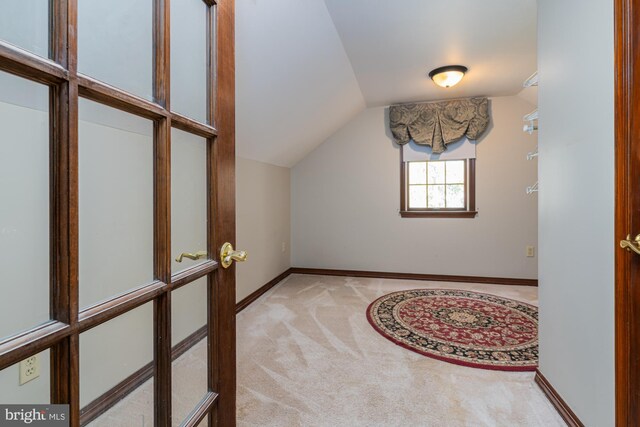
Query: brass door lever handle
(197, 255)
(631, 245)
(228, 255)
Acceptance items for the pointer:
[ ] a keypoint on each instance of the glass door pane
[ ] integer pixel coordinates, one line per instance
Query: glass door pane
(24, 206)
(115, 43)
(188, 197)
(116, 202)
(188, 331)
(25, 23)
(189, 58)
(112, 354)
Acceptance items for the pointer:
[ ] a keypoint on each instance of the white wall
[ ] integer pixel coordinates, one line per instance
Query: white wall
(576, 231)
(294, 81)
(263, 223)
(345, 201)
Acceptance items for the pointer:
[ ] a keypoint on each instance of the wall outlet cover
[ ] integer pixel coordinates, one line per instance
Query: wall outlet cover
(29, 369)
(531, 251)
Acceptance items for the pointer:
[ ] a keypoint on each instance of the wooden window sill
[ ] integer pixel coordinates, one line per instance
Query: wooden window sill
(438, 214)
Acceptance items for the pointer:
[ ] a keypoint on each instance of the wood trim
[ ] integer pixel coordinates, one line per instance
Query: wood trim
(557, 401)
(114, 307)
(161, 53)
(248, 300)
(245, 302)
(183, 346)
(213, 294)
(25, 64)
(64, 298)
(193, 273)
(186, 124)
(202, 410)
(416, 276)
(162, 215)
(103, 93)
(21, 346)
(438, 214)
(222, 190)
(627, 202)
(403, 182)
(472, 185)
(212, 68)
(162, 360)
(121, 390)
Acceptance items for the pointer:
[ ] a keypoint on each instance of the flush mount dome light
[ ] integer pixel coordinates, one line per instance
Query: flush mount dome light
(448, 76)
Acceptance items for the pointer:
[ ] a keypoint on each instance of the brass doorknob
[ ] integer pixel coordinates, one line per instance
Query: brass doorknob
(228, 255)
(631, 245)
(197, 255)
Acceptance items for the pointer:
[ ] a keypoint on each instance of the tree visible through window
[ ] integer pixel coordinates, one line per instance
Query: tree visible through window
(438, 186)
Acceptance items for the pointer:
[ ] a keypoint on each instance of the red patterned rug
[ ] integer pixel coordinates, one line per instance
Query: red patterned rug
(462, 327)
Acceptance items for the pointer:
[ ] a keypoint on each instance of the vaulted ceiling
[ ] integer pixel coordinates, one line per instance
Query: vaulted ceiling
(306, 67)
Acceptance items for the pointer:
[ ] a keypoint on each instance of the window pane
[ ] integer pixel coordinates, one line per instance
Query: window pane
(455, 172)
(189, 58)
(418, 196)
(35, 391)
(115, 43)
(25, 23)
(24, 205)
(116, 202)
(111, 353)
(455, 196)
(188, 197)
(436, 172)
(417, 172)
(436, 196)
(189, 371)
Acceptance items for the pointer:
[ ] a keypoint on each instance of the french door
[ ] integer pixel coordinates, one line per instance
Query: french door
(117, 151)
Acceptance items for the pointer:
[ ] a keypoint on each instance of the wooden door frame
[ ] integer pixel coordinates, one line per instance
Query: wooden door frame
(62, 333)
(225, 206)
(627, 167)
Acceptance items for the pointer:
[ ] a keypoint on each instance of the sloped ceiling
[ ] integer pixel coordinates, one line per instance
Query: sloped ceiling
(394, 44)
(294, 82)
(306, 67)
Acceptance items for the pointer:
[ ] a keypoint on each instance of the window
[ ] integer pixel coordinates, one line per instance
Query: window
(438, 188)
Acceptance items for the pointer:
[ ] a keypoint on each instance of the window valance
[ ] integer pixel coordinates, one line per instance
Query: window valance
(437, 124)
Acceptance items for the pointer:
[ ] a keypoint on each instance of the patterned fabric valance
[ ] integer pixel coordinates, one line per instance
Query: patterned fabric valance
(437, 124)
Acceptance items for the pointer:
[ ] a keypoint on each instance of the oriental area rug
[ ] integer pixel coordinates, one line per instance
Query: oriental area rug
(462, 327)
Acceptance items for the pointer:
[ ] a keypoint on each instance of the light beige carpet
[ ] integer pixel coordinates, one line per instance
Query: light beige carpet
(308, 357)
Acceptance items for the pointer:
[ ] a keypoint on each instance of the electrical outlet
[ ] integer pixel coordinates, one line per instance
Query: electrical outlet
(284, 247)
(531, 251)
(29, 369)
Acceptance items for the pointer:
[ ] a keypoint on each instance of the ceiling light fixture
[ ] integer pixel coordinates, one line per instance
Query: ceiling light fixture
(448, 76)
